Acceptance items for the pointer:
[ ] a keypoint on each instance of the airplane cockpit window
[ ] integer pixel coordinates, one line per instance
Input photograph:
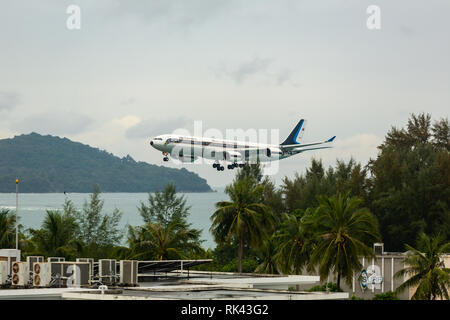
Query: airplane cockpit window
(157, 139)
(173, 140)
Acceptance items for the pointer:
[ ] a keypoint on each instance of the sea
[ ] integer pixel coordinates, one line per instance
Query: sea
(33, 206)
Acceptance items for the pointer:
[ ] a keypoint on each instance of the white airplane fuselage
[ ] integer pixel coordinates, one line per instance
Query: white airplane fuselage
(235, 153)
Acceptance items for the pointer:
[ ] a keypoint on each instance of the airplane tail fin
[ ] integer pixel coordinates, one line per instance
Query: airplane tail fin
(296, 133)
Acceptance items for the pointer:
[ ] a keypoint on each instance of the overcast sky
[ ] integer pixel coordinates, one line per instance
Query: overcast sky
(141, 68)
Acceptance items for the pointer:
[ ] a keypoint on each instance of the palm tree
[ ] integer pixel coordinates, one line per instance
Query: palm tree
(342, 228)
(7, 229)
(57, 236)
(268, 257)
(426, 270)
(244, 217)
(156, 241)
(295, 244)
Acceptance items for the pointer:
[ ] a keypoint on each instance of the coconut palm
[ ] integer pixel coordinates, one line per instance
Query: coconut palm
(155, 241)
(244, 218)
(7, 229)
(57, 236)
(342, 228)
(426, 270)
(295, 246)
(268, 257)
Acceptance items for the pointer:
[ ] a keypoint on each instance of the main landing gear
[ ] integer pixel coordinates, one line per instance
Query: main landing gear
(219, 167)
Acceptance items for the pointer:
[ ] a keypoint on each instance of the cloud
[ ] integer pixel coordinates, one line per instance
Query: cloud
(127, 121)
(58, 123)
(406, 31)
(128, 101)
(256, 68)
(153, 127)
(245, 70)
(174, 12)
(8, 100)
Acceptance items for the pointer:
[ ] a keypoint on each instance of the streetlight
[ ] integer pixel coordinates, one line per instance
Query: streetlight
(17, 214)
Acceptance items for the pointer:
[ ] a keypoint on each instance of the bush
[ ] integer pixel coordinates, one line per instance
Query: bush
(331, 286)
(386, 296)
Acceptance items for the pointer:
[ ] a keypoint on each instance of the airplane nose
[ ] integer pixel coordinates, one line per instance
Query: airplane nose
(151, 142)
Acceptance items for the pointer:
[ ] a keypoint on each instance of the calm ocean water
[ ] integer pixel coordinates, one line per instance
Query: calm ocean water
(32, 207)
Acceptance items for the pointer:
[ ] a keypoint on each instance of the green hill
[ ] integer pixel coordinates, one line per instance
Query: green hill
(53, 164)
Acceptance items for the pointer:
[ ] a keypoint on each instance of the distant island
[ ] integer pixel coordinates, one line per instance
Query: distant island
(45, 164)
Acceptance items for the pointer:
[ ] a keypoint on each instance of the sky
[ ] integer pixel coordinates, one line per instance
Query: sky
(135, 69)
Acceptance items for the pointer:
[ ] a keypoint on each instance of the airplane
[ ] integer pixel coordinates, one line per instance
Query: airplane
(233, 153)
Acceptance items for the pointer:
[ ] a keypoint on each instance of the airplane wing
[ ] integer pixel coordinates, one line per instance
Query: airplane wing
(308, 149)
(300, 146)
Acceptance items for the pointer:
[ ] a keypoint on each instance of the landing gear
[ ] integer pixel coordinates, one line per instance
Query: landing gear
(232, 166)
(166, 159)
(220, 168)
(241, 165)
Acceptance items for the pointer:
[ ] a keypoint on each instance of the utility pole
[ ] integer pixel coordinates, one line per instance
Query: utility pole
(17, 214)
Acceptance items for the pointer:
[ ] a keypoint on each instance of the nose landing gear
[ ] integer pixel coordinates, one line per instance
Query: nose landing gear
(166, 158)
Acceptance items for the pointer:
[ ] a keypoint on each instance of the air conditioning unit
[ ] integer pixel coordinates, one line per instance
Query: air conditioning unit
(91, 265)
(20, 274)
(107, 270)
(128, 272)
(33, 259)
(378, 248)
(3, 272)
(9, 255)
(42, 274)
(56, 259)
(70, 273)
(77, 272)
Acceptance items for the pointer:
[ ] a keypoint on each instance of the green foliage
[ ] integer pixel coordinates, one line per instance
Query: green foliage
(166, 233)
(7, 229)
(164, 207)
(353, 297)
(301, 192)
(245, 218)
(294, 244)
(386, 296)
(328, 286)
(410, 183)
(56, 237)
(95, 228)
(249, 264)
(426, 270)
(53, 164)
(341, 228)
(268, 257)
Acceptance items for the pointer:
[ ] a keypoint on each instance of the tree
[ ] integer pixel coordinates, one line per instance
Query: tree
(97, 230)
(410, 182)
(7, 229)
(166, 233)
(57, 235)
(159, 242)
(426, 269)
(244, 218)
(165, 207)
(295, 244)
(342, 229)
(268, 257)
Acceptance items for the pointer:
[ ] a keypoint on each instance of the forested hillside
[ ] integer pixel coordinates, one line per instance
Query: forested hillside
(53, 164)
